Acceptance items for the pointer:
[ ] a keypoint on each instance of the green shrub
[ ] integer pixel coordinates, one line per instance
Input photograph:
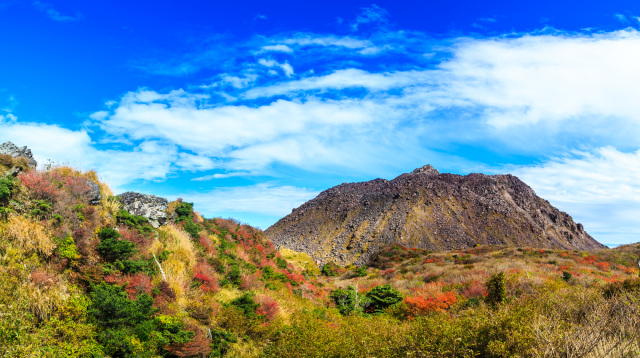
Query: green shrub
(41, 208)
(349, 301)
(496, 289)
(220, 341)
(67, 248)
(184, 211)
(246, 304)
(281, 263)
(360, 271)
(113, 249)
(137, 222)
(127, 327)
(566, 276)
(234, 275)
(111, 306)
(330, 269)
(192, 228)
(381, 297)
(6, 187)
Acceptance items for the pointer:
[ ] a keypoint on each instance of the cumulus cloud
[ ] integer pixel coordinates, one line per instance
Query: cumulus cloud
(599, 188)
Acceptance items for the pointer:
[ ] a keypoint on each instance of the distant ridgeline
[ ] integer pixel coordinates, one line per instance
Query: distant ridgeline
(351, 222)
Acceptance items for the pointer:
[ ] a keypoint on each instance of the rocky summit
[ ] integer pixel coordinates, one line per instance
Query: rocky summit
(424, 209)
(150, 206)
(8, 148)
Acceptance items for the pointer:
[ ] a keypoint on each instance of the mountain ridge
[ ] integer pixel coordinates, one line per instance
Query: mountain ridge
(425, 209)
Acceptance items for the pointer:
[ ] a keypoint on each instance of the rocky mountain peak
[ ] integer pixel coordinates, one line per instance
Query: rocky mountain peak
(8, 148)
(349, 223)
(427, 169)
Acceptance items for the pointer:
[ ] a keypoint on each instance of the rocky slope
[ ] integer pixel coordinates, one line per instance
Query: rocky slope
(349, 223)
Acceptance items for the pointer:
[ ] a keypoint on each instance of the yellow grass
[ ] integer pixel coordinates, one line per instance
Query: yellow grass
(29, 235)
(182, 258)
(300, 259)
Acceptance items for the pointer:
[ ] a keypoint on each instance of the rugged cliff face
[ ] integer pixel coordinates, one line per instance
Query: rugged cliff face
(349, 223)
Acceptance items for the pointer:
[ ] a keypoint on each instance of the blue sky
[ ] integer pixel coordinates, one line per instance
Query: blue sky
(250, 108)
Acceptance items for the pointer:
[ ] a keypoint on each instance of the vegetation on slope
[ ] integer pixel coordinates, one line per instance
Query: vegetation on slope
(91, 280)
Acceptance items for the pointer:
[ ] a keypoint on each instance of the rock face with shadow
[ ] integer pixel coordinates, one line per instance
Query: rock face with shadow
(150, 206)
(349, 223)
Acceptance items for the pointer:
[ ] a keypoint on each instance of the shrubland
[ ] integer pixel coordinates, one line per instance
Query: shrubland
(88, 279)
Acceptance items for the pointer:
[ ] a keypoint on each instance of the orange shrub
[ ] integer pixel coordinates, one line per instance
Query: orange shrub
(421, 305)
(602, 265)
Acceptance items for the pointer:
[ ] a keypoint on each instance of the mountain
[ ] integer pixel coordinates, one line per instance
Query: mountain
(349, 223)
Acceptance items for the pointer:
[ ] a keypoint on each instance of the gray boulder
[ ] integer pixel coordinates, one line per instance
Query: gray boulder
(8, 148)
(150, 206)
(93, 193)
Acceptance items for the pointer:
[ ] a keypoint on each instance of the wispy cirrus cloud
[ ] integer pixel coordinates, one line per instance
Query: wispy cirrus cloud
(54, 14)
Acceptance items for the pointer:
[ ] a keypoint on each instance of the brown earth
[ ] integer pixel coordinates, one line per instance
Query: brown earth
(349, 223)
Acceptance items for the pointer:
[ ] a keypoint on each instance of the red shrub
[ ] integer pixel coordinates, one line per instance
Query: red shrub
(199, 346)
(133, 236)
(268, 308)
(563, 267)
(137, 284)
(294, 277)
(43, 278)
(602, 265)
(421, 305)
(205, 274)
(39, 184)
(206, 242)
(474, 290)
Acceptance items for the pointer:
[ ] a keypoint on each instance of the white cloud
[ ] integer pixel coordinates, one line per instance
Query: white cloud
(600, 188)
(548, 78)
(221, 176)
(347, 78)
(371, 14)
(286, 67)
(54, 14)
(265, 199)
(327, 41)
(277, 48)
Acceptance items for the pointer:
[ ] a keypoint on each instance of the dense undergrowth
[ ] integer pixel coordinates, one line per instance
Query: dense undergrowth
(83, 279)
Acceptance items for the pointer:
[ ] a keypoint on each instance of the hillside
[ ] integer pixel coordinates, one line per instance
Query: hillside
(84, 273)
(349, 223)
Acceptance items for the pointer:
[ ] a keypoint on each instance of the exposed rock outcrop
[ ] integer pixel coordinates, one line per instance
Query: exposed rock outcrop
(8, 148)
(350, 222)
(93, 193)
(150, 206)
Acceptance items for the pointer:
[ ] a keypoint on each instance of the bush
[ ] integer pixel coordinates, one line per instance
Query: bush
(496, 290)
(566, 276)
(382, 297)
(360, 271)
(330, 269)
(128, 328)
(350, 301)
(113, 249)
(6, 187)
(138, 222)
(67, 248)
(246, 304)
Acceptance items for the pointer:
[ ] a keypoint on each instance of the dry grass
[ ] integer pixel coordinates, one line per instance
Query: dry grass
(182, 259)
(29, 235)
(300, 259)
